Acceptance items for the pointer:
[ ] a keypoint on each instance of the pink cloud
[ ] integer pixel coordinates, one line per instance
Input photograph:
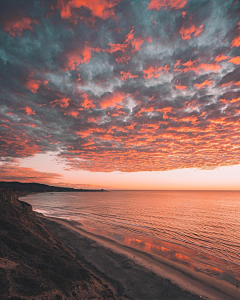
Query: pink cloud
(102, 9)
(64, 102)
(186, 31)
(173, 4)
(17, 26)
(34, 84)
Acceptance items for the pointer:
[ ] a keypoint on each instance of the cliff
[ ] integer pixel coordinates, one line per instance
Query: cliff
(22, 189)
(36, 265)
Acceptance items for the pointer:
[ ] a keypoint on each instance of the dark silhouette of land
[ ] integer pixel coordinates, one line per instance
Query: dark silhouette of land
(45, 258)
(22, 189)
(34, 264)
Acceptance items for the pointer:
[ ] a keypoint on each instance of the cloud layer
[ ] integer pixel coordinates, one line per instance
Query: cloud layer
(121, 85)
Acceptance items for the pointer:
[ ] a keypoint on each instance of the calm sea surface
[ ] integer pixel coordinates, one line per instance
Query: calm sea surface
(200, 229)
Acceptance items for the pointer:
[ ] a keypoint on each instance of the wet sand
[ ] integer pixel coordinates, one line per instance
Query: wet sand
(134, 274)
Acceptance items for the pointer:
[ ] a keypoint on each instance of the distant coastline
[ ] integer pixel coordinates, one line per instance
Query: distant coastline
(23, 189)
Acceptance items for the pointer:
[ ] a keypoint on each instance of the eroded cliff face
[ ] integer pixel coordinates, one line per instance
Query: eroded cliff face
(34, 264)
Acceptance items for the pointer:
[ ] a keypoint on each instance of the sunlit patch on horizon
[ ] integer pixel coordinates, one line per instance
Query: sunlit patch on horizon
(221, 177)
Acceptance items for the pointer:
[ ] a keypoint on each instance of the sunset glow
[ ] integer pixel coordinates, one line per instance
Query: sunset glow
(121, 94)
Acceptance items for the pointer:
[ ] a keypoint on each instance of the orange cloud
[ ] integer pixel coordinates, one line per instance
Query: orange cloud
(34, 84)
(72, 113)
(123, 59)
(189, 139)
(187, 30)
(235, 100)
(203, 114)
(130, 43)
(145, 110)
(85, 133)
(19, 143)
(174, 4)
(235, 60)
(117, 47)
(189, 63)
(209, 67)
(184, 14)
(177, 63)
(191, 119)
(17, 26)
(178, 148)
(103, 9)
(129, 36)
(187, 66)
(29, 111)
(135, 42)
(126, 75)
(221, 57)
(64, 102)
(231, 83)
(195, 66)
(165, 111)
(154, 72)
(87, 103)
(112, 100)
(15, 173)
(180, 87)
(205, 83)
(77, 57)
(123, 134)
(236, 40)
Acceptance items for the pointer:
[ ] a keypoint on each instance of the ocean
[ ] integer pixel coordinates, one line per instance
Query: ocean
(197, 229)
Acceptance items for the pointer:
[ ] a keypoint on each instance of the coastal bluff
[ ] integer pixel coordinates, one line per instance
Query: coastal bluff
(23, 188)
(34, 264)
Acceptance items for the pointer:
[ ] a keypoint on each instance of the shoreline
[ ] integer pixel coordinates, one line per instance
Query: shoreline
(195, 284)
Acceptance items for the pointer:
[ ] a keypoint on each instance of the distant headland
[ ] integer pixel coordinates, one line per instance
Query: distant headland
(22, 189)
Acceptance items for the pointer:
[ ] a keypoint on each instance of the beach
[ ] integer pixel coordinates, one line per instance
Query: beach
(134, 274)
(120, 150)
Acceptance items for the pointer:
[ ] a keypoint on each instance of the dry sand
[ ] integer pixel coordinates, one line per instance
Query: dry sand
(133, 274)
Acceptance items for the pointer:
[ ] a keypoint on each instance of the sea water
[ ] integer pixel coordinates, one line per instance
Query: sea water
(200, 229)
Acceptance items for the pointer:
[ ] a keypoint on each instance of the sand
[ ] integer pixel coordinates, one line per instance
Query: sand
(133, 274)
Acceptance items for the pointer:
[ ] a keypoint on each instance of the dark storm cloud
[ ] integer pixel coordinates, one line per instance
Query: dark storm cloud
(121, 86)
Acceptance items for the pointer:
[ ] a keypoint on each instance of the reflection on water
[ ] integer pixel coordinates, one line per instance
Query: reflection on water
(206, 265)
(199, 229)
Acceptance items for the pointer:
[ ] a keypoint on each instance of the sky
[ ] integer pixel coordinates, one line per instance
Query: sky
(120, 94)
